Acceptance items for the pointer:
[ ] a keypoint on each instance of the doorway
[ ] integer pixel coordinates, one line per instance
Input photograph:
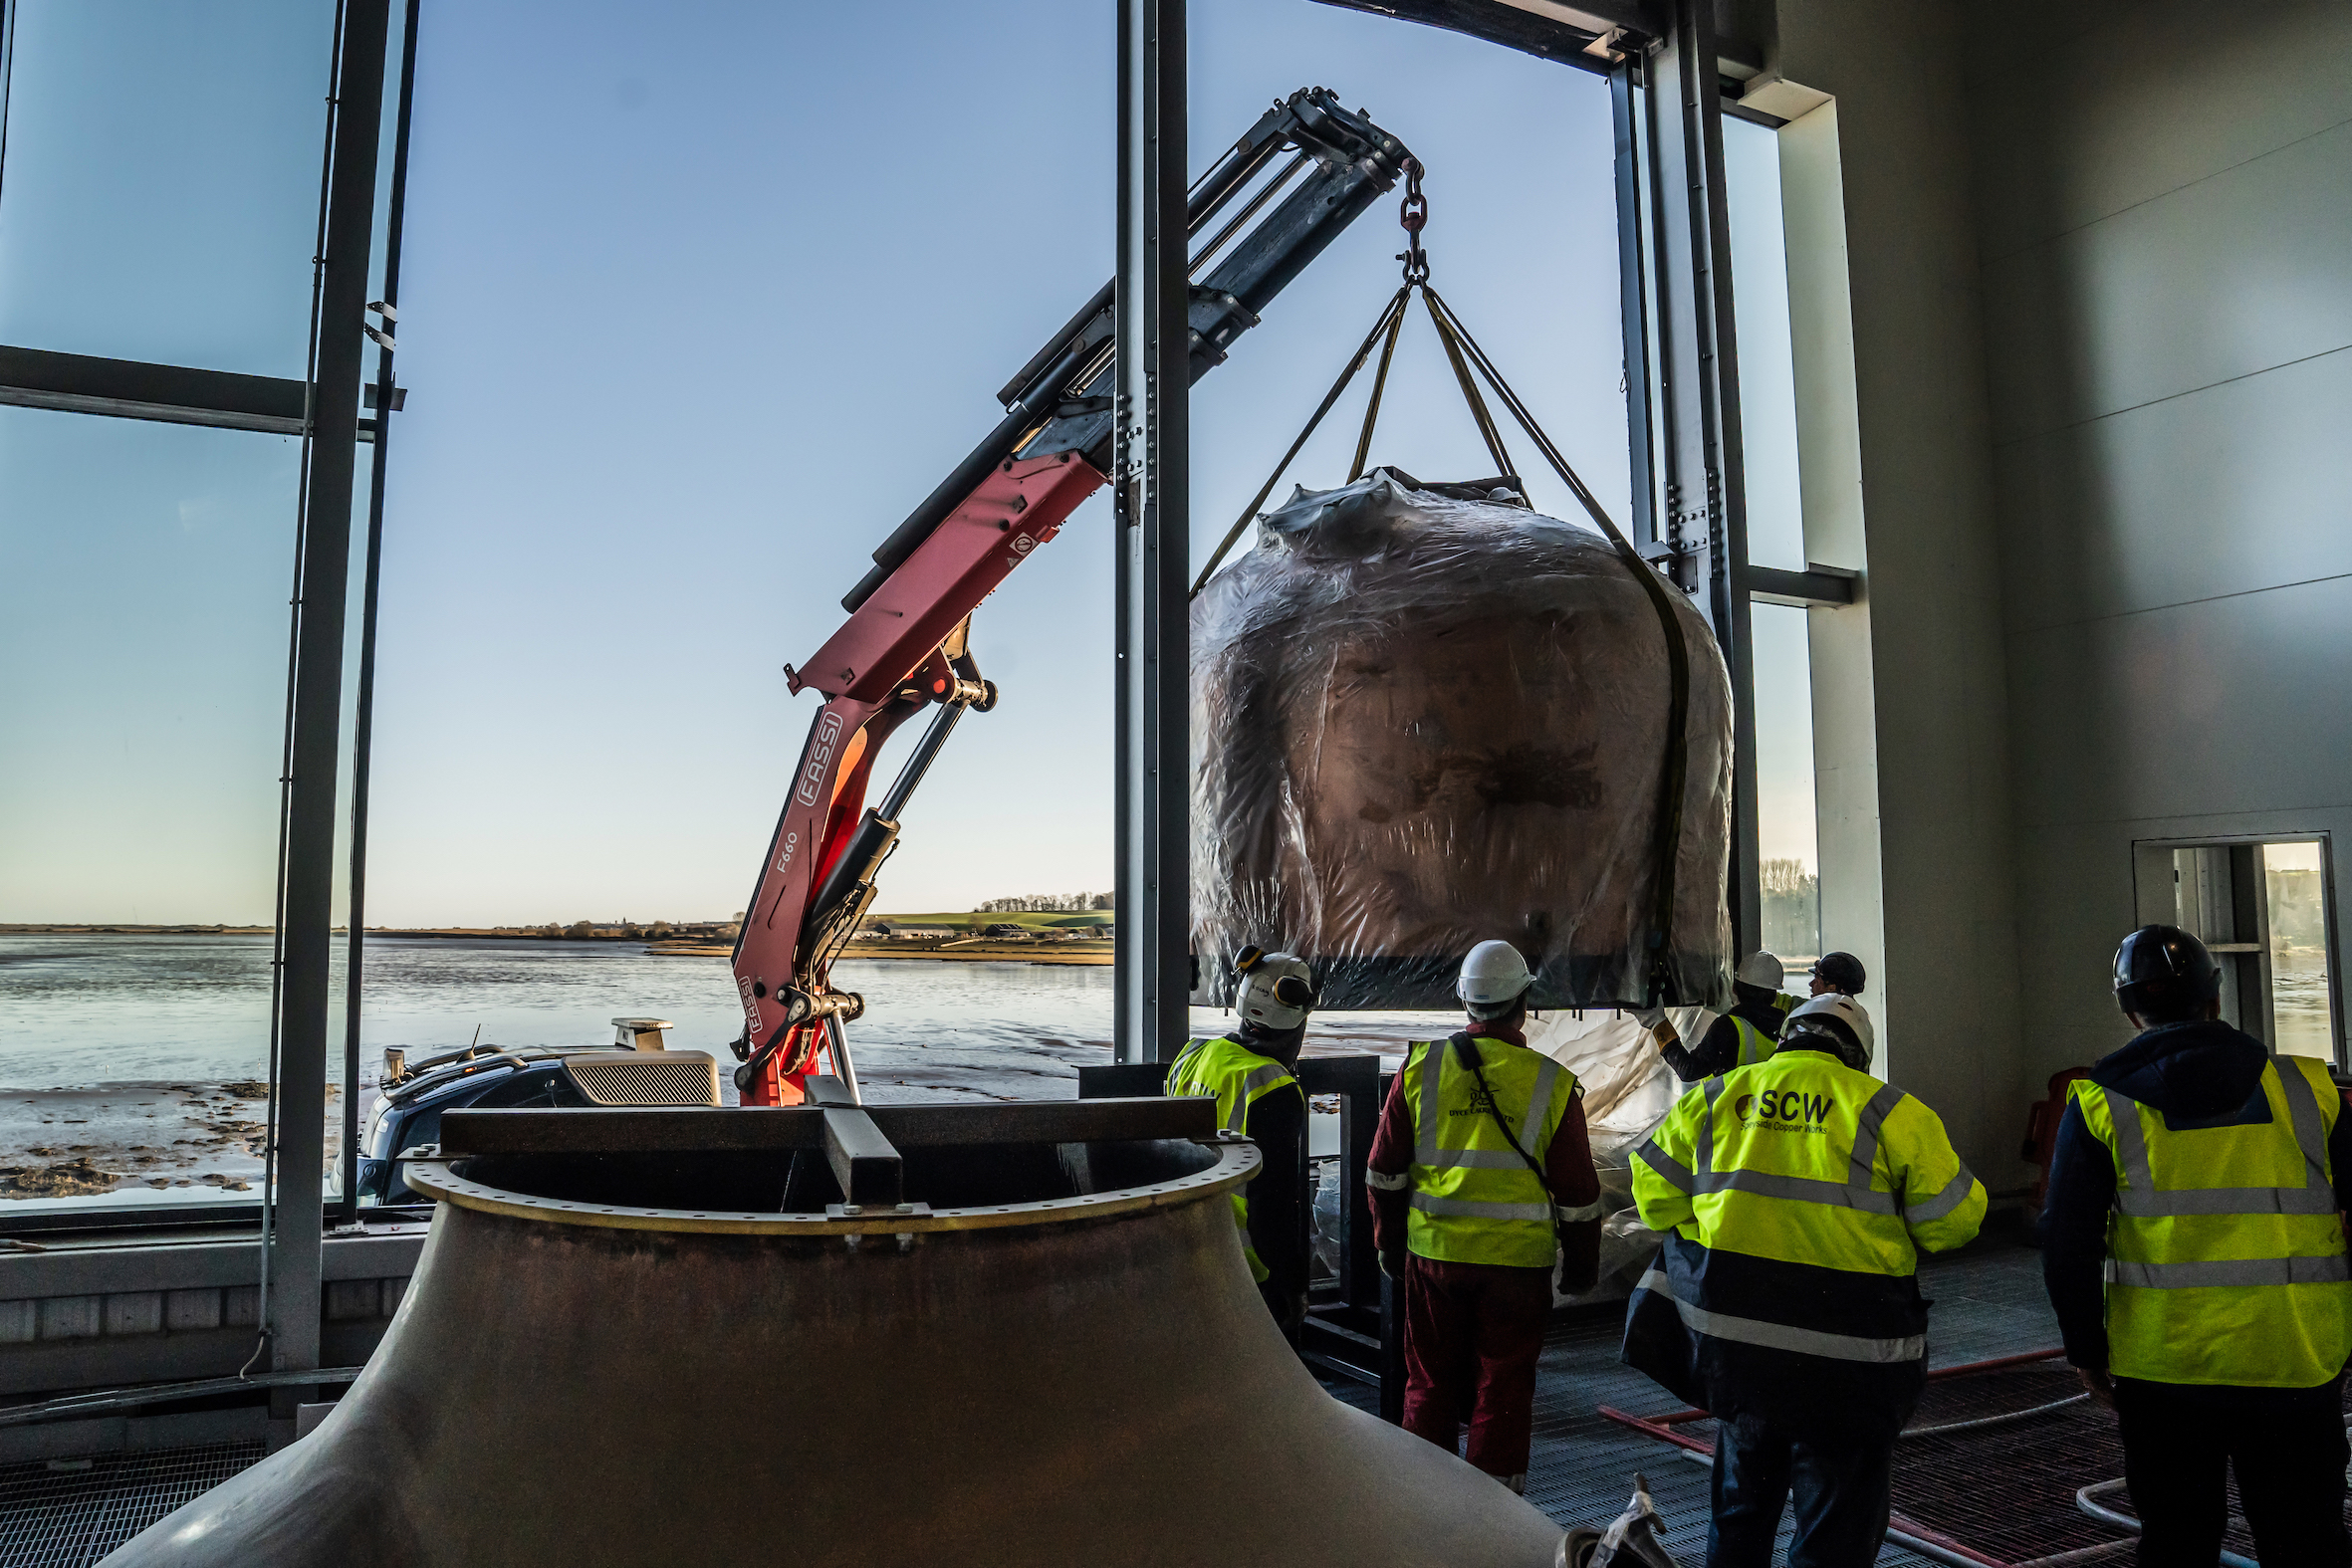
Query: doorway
(2260, 906)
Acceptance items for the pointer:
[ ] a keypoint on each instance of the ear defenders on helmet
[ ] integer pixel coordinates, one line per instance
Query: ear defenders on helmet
(1277, 991)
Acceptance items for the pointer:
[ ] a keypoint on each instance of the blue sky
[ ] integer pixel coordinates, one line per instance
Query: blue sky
(699, 300)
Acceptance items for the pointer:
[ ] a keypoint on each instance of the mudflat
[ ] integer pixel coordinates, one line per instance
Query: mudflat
(116, 1137)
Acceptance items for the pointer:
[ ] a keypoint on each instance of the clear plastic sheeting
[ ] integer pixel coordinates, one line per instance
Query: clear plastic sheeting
(1421, 720)
(1628, 1089)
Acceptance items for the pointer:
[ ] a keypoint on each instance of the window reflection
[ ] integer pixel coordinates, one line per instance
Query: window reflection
(161, 191)
(1786, 829)
(2261, 909)
(2296, 895)
(147, 569)
(1767, 374)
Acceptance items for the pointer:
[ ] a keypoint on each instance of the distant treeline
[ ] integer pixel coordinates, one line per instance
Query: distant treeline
(1045, 904)
(1792, 909)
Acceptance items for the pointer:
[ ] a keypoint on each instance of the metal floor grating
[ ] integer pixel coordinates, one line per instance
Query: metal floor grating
(69, 1513)
(2001, 1483)
(1989, 1302)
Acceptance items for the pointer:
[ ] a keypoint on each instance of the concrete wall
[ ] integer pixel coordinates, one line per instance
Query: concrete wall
(2097, 268)
(78, 1316)
(1910, 688)
(2164, 198)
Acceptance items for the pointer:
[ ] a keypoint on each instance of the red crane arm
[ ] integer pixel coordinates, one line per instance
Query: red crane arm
(902, 648)
(871, 674)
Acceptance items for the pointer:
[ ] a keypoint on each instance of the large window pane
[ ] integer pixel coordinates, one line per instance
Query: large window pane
(143, 578)
(1786, 827)
(2296, 891)
(2261, 910)
(1768, 376)
(161, 184)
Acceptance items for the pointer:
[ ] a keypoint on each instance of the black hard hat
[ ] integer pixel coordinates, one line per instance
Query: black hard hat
(1843, 971)
(2163, 970)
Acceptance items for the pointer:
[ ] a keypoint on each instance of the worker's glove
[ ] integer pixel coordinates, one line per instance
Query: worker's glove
(1393, 1265)
(1649, 1018)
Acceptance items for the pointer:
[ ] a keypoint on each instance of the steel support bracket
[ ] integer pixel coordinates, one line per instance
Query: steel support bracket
(865, 1165)
(1817, 584)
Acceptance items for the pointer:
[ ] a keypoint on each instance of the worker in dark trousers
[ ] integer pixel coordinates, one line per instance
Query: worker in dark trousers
(2194, 1248)
(1741, 1038)
(1795, 1198)
(1838, 973)
(1251, 1075)
(1481, 1180)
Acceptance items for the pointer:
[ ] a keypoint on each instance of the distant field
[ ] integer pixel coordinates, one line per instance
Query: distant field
(1035, 919)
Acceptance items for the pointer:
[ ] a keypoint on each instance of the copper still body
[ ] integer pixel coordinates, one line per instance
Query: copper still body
(1055, 1355)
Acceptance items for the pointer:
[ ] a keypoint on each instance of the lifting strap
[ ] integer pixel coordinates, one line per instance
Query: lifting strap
(1464, 356)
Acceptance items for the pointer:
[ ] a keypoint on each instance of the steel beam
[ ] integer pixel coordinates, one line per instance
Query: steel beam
(864, 1163)
(1704, 542)
(1150, 478)
(382, 394)
(309, 870)
(79, 383)
(1820, 586)
(779, 1128)
(1586, 34)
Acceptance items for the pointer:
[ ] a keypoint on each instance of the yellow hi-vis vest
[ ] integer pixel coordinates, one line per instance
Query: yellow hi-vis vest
(1804, 1160)
(1237, 1077)
(2226, 1260)
(1474, 1200)
(1755, 1044)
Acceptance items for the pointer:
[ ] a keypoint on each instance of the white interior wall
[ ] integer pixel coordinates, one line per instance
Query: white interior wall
(1909, 688)
(2164, 233)
(2098, 296)
(1829, 464)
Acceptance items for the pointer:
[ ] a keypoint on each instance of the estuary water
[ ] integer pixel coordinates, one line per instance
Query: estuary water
(82, 1011)
(132, 1067)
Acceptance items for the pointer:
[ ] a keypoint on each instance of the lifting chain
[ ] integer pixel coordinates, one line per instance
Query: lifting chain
(1412, 215)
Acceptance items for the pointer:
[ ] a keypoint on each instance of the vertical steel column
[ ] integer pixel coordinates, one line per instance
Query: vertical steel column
(318, 693)
(363, 721)
(1152, 472)
(1705, 489)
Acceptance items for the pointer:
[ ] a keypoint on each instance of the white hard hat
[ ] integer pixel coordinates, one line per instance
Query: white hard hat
(1277, 989)
(1761, 969)
(1834, 1008)
(1495, 976)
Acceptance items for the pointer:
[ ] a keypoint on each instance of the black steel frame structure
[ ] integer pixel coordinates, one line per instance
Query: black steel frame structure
(1152, 504)
(325, 410)
(382, 392)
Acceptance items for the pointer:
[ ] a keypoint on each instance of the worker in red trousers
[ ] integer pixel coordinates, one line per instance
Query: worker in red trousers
(1482, 1181)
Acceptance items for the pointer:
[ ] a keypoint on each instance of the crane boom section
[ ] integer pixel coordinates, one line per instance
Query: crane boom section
(902, 647)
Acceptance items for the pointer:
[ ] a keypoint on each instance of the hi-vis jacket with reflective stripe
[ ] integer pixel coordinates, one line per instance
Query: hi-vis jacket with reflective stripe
(2225, 1258)
(1796, 1195)
(1474, 1200)
(1755, 1046)
(1238, 1077)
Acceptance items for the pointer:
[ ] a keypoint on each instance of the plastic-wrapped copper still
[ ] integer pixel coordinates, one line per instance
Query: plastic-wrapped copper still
(1422, 719)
